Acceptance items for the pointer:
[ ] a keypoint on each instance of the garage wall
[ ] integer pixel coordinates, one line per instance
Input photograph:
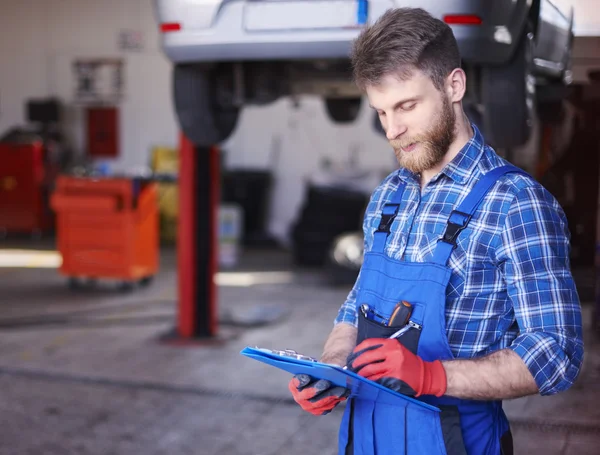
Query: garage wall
(87, 28)
(587, 16)
(41, 38)
(23, 56)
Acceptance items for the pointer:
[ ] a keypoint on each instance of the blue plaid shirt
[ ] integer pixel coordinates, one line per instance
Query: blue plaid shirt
(511, 284)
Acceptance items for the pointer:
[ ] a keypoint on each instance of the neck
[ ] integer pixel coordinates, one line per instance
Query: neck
(464, 133)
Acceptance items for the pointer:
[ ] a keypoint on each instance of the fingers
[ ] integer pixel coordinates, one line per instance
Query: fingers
(336, 392)
(369, 344)
(292, 386)
(298, 383)
(323, 406)
(374, 371)
(305, 394)
(302, 380)
(376, 376)
(365, 358)
(375, 343)
(297, 386)
(377, 372)
(340, 392)
(358, 351)
(303, 387)
(317, 397)
(321, 385)
(398, 385)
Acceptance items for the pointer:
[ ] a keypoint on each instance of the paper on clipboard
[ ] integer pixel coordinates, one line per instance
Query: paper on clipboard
(359, 387)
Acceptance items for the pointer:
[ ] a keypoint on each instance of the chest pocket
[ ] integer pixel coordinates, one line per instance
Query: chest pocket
(421, 245)
(422, 248)
(471, 260)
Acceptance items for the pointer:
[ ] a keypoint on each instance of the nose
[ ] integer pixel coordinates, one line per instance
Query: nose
(394, 127)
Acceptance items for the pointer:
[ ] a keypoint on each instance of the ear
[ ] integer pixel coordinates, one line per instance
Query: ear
(456, 85)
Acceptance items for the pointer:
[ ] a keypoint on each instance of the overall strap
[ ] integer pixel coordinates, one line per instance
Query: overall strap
(460, 217)
(389, 212)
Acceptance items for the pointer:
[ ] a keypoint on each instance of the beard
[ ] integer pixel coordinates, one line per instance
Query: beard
(432, 145)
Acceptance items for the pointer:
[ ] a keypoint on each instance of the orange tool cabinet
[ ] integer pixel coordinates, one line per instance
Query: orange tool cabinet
(107, 228)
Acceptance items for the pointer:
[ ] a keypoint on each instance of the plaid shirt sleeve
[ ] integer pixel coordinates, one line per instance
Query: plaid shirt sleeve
(534, 257)
(347, 313)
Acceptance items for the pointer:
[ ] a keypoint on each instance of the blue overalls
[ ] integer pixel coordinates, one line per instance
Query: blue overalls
(462, 426)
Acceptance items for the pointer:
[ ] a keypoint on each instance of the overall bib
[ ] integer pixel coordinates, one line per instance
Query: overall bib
(463, 426)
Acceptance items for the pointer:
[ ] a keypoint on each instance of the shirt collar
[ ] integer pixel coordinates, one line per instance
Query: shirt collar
(461, 167)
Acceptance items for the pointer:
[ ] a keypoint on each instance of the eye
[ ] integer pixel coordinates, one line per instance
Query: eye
(408, 106)
(381, 113)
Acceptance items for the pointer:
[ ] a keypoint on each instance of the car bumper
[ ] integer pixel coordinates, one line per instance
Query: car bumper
(229, 39)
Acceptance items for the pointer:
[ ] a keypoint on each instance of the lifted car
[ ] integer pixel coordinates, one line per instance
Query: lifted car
(230, 53)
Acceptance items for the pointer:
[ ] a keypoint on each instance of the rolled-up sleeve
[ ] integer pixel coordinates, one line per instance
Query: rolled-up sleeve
(347, 312)
(534, 257)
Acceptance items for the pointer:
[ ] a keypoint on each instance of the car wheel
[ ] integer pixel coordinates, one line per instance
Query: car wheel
(343, 110)
(508, 96)
(567, 74)
(204, 104)
(551, 96)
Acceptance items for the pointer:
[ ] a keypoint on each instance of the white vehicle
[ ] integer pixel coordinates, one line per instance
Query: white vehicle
(229, 53)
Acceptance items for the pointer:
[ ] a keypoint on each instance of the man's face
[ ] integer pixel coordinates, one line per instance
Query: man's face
(418, 119)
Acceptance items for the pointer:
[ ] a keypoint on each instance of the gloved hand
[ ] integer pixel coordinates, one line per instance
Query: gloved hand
(389, 363)
(318, 397)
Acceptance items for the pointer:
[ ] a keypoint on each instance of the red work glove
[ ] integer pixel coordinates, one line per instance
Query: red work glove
(389, 363)
(318, 397)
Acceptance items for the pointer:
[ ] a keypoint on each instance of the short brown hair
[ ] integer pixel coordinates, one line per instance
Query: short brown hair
(399, 41)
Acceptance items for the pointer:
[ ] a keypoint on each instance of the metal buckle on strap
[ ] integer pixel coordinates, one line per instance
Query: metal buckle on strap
(387, 219)
(453, 229)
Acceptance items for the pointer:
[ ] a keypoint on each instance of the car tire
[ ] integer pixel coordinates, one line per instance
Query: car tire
(202, 118)
(508, 97)
(567, 74)
(551, 96)
(550, 102)
(343, 110)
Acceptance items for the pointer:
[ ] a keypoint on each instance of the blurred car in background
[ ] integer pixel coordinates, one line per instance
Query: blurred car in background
(345, 258)
(231, 53)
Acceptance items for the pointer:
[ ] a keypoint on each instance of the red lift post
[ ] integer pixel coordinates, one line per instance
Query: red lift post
(199, 191)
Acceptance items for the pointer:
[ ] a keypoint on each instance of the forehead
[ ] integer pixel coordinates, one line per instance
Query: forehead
(393, 89)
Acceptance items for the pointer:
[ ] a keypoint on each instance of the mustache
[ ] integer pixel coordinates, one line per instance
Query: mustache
(403, 143)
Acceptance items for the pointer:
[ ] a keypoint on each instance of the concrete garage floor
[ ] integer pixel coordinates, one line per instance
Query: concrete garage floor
(84, 372)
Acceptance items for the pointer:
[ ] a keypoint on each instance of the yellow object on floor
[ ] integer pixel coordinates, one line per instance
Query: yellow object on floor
(166, 160)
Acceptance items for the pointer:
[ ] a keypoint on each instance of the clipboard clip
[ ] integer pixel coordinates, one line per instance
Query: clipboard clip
(287, 353)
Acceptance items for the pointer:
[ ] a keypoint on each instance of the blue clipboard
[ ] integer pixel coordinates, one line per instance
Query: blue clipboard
(359, 387)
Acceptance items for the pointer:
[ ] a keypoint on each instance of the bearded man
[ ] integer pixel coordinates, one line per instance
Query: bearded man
(470, 250)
